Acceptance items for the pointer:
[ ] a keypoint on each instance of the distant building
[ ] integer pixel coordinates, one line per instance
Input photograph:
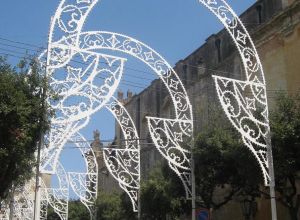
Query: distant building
(275, 28)
(106, 182)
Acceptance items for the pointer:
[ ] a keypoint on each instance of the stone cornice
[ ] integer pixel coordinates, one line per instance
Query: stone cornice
(281, 24)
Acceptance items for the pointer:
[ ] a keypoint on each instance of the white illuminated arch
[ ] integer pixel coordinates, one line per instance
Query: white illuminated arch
(81, 96)
(245, 102)
(124, 163)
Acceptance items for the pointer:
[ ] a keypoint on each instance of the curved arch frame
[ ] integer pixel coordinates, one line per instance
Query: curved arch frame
(255, 81)
(245, 102)
(124, 163)
(179, 162)
(85, 184)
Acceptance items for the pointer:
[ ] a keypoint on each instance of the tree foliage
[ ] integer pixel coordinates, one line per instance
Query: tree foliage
(224, 167)
(222, 161)
(285, 128)
(77, 211)
(20, 116)
(163, 195)
(109, 206)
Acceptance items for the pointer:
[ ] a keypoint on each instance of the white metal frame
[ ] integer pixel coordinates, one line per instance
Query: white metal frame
(67, 41)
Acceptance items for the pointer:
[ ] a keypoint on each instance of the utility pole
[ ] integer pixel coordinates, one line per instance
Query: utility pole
(272, 176)
(36, 211)
(139, 204)
(139, 192)
(193, 182)
(11, 203)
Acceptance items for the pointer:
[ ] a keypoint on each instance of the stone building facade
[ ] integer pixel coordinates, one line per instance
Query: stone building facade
(105, 181)
(275, 28)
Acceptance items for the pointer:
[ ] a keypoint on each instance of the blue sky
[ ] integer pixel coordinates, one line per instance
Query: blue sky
(174, 28)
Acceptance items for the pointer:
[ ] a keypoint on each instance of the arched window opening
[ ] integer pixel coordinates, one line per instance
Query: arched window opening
(218, 46)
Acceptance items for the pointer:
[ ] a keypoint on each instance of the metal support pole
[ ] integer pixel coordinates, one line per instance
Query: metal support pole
(272, 177)
(193, 182)
(139, 192)
(139, 204)
(11, 204)
(36, 211)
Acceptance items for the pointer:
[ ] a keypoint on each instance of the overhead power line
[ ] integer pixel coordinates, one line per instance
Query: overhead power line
(9, 52)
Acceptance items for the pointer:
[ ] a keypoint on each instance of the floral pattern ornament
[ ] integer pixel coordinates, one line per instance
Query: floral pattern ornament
(58, 197)
(85, 184)
(245, 102)
(99, 40)
(4, 211)
(124, 163)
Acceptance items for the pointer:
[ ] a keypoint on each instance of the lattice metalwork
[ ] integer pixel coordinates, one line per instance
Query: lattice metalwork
(58, 197)
(4, 211)
(98, 40)
(244, 102)
(85, 184)
(23, 201)
(80, 98)
(81, 95)
(124, 163)
(43, 204)
(74, 83)
(169, 135)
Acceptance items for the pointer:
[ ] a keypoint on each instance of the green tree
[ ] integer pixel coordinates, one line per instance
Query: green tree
(20, 117)
(285, 128)
(126, 207)
(223, 161)
(223, 164)
(77, 211)
(109, 206)
(162, 194)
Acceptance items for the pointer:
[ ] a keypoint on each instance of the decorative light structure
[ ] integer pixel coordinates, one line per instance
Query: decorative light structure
(82, 95)
(23, 201)
(182, 126)
(4, 211)
(245, 102)
(77, 84)
(85, 184)
(58, 197)
(124, 163)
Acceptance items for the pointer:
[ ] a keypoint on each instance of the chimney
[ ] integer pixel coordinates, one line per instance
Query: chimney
(97, 135)
(129, 94)
(120, 96)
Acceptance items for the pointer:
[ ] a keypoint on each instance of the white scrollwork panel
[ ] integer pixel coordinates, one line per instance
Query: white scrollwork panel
(4, 211)
(43, 204)
(85, 187)
(23, 204)
(58, 197)
(169, 137)
(82, 92)
(244, 102)
(68, 20)
(85, 184)
(124, 164)
(248, 114)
